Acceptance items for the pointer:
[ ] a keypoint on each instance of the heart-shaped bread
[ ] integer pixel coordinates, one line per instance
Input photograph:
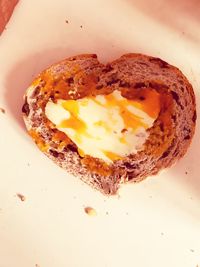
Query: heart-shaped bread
(111, 124)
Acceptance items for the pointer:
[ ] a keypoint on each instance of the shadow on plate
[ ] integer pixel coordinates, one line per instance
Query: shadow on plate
(22, 74)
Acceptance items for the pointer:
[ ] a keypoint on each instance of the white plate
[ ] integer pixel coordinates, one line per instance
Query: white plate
(154, 223)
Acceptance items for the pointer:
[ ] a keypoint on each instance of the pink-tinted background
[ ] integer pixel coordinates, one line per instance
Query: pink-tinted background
(6, 9)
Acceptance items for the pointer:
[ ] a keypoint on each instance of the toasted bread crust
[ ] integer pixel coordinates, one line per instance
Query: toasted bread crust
(169, 137)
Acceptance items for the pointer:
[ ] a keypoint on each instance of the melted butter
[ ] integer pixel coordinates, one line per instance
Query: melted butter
(112, 156)
(96, 124)
(122, 140)
(151, 103)
(73, 122)
(76, 124)
(81, 153)
(151, 106)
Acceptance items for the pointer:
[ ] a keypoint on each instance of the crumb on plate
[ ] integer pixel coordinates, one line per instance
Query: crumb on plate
(2, 110)
(90, 211)
(21, 197)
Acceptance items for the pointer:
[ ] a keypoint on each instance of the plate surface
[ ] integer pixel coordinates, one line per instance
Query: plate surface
(153, 223)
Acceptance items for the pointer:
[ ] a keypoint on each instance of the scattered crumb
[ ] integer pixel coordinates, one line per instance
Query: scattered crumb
(90, 211)
(81, 26)
(28, 164)
(127, 213)
(21, 197)
(124, 130)
(162, 233)
(150, 196)
(191, 198)
(37, 265)
(192, 250)
(186, 173)
(107, 213)
(66, 21)
(2, 110)
(74, 197)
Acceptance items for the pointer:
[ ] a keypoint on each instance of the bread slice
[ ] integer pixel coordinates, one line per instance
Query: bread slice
(80, 76)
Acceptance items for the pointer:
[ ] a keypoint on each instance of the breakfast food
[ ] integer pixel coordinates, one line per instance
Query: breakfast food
(111, 124)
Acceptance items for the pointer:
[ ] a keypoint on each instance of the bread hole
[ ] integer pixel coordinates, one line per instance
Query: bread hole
(132, 175)
(142, 98)
(161, 63)
(186, 130)
(174, 118)
(130, 166)
(107, 68)
(72, 58)
(181, 82)
(54, 153)
(139, 85)
(52, 98)
(176, 152)
(182, 89)
(70, 80)
(72, 148)
(100, 86)
(176, 98)
(158, 86)
(162, 127)
(194, 117)
(113, 81)
(25, 108)
(165, 154)
(174, 85)
(36, 91)
(187, 137)
(124, 84)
